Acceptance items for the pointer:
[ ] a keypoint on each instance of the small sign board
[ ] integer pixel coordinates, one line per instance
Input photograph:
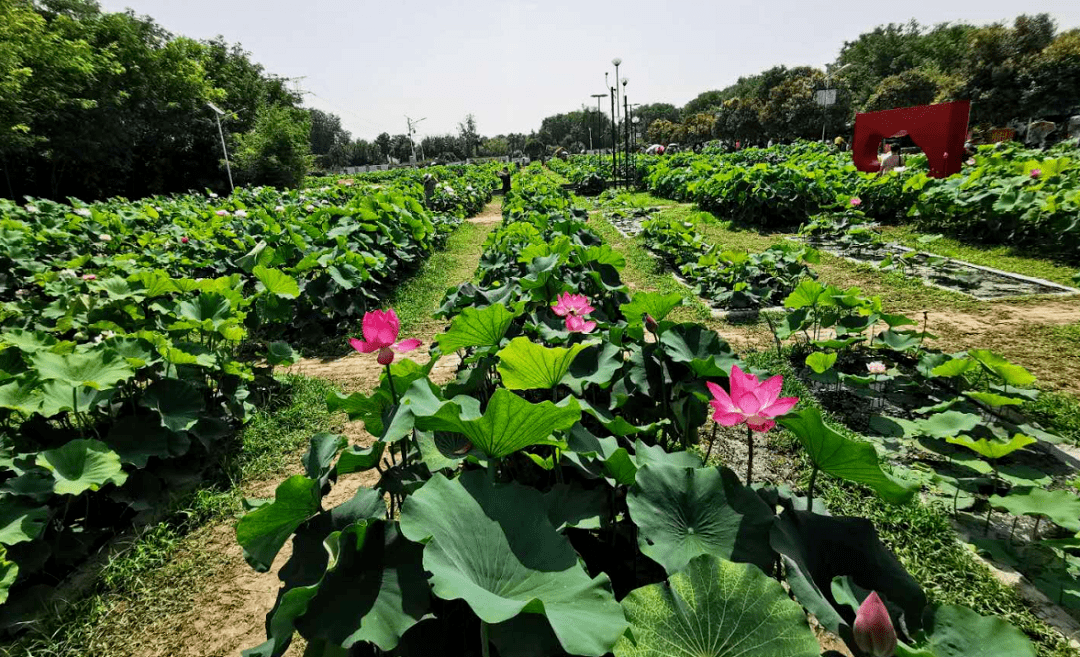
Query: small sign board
(825, 97)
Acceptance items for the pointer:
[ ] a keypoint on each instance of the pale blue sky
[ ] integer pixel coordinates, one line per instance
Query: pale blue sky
(513, 63)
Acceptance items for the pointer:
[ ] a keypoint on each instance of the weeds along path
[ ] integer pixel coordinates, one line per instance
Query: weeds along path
(206, 601)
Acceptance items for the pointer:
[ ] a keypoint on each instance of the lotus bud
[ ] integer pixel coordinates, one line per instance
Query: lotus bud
(104, 237)
(874, 633)
(651, 324)
(856, 201)
(1035, 173)
(184, 240)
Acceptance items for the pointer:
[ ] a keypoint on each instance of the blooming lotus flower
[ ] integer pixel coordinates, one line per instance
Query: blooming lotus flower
(82, 212)
(874, 633)
(971, 161)
(222, 213)
(310, 208)
(856, 201)
(158, 208)
(280, 208)
(89, 277)
(240, 213)
(213, 195)
(751, 402)
(381, 330)
(1035, 173)
(577, 324)
(572, 304)
(32, 209)
(104, 237)
(184, 239)
(876, 367)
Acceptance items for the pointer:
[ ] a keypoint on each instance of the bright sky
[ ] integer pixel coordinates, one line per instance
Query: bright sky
(513, 62)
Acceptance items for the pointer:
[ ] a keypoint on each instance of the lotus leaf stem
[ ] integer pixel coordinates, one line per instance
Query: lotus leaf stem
(810, 492)
(749, 455)
(485, 643)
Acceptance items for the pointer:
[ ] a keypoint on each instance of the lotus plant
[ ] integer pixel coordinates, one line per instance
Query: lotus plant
(874, 632)
(752, 402)
(856, 201)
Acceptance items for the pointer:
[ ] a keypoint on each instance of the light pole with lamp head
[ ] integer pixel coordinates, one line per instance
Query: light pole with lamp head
(616, 62)
(825, 97)
(599, 120)
(218, 113)
(626, 133)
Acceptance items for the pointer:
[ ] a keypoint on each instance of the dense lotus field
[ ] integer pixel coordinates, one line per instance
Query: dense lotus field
(137, 336)
(559, 496)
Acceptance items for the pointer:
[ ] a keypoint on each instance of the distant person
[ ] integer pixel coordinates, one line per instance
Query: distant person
(430, 183)
(840, 143)
(892, 160)
(504, 176)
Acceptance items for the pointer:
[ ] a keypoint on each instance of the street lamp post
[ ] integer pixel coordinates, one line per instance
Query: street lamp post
(599, 122)
(614, 159)
(218, 113)
(616, 62)
(825, 99)
(626, 134)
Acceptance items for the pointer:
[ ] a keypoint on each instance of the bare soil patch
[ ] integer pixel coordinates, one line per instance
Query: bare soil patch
(492, 213)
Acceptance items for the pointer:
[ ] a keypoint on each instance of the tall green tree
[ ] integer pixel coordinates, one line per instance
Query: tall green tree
(277, 150)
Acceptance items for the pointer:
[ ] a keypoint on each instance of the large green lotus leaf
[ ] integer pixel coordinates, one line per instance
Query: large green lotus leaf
(570, 505)
(476, 328)
(715, 608)
(960, 632)
(319, 459)
(82, 465)
(493, 546)
(992, 449)
(9, 572)
(179, 403)
(654, 304)
(994, 400)
(900, 340)
(817, 549)
(23, 396)
(808, 293)
(20, 523)
(58, 396)
(821, 362)
(360, 459)
(28, 341)
(281, 354)
(597, 364)
(1060, 506)
(948, 423)
(844, 458)
(263, 531)
(525, 365)
(1014, 375)
(685, 512)
(276, 282)
(207, 307)
(371, 565)
(381, 576)
(138, 437)
(508, 424)
(954, 367)
(96, 369)
(701, 349)
(600, 457)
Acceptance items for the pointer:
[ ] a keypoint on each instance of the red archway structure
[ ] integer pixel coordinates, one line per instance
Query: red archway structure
(939, 130)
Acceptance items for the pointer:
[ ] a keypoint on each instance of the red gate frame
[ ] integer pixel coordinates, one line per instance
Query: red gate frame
(939, 130)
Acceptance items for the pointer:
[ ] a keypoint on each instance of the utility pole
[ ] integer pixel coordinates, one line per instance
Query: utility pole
(412, 131)
(599, 123)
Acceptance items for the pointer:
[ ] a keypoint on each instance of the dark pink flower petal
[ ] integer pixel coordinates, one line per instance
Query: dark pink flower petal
(407, 345)
(741, 383)
(760, 425)
(779, 407)
(363, 347)
(381, 327)
(769, 391)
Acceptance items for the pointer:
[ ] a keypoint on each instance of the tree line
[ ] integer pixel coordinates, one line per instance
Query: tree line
(1026, 70)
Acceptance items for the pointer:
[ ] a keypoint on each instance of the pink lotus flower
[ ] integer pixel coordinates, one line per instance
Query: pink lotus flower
(1035, 173)
(576, 324)
(856, 201)
(874, 633)
(222, 213)
(751, 402)
(572, 304)
(89, 277)
(876, 367)
(381, 330)
(184, 240)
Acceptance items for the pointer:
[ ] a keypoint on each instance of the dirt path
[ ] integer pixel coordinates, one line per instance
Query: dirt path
(492, 213)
